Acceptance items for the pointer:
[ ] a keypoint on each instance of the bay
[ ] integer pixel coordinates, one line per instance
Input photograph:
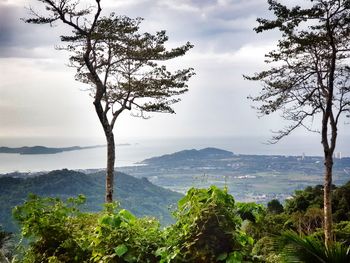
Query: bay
(133, 150)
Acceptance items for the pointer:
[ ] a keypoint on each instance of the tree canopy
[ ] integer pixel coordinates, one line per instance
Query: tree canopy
(121, 65)
(309, 71)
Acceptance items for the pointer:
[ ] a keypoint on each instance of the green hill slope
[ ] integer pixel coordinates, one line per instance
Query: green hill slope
(137, 195)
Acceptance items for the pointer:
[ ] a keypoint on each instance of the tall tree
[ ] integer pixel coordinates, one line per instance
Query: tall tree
(119, 63)
(309, 75)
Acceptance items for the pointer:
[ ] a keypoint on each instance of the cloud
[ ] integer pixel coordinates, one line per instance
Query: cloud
(20, 39)
(8, 26)
(220, 30)
(209, 25)
(40, 97)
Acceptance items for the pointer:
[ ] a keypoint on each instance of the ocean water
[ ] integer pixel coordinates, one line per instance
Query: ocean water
(139, 149)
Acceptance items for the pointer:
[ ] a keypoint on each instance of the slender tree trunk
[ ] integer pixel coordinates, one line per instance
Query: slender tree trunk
(108, 130)
(110, 166)
(327, 198)
(328, 147)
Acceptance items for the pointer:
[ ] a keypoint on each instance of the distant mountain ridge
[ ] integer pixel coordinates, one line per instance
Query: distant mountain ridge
(190, 155)
(139, 196)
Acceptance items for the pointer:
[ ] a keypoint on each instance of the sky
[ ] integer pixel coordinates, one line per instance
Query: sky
(39, 97)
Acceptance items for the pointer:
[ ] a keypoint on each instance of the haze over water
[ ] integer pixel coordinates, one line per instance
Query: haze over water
(140, 149)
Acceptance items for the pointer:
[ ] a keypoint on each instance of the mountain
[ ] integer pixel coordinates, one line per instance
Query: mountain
(137, 195)
(190, 156)
(44, 149)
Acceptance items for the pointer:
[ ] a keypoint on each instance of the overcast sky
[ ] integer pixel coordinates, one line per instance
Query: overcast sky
(39, 97)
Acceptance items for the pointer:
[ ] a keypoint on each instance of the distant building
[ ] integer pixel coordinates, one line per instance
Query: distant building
(338, 155)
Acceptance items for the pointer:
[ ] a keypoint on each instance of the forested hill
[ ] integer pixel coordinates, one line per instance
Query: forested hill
(137, 195)
(190, 155)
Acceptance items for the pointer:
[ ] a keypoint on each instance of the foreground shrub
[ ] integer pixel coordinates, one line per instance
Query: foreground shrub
(57, 231)
(121, 237)
(207, 229)
(264, 250)
(210, 227)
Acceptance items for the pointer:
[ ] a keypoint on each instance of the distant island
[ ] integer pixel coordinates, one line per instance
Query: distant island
(48, 150)
(44, 150)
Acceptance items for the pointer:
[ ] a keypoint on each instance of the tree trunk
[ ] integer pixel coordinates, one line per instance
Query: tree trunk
(110, 166)
(327, 198)
(329, 148)
(108, 130)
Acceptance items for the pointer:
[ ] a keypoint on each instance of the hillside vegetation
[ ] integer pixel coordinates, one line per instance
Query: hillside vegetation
(210, 226)
(137, 195)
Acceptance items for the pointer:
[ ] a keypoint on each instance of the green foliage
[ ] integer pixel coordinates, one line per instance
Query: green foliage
(307, 222)
(121, 237)
(207, 229)
(56, 230)
(342, 232)
(210, 227)
(275, 207)
(268, 225)
(251, 211)
(139, 196)
(312, 197)
(304, 215)
(313, 249)
(265, 250)
(302, 199)
(341, 203)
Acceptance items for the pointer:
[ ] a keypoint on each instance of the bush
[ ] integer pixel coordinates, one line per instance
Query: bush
(265, 250)
(207, 229)
(121, 237)
(55, 230)
(58, 232)
(210, 227)
(275, 207)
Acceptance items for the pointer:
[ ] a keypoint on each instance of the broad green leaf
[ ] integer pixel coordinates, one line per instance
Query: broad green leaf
(126, 215)
(121, 250)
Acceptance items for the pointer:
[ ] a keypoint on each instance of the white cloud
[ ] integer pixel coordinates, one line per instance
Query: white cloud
(51, 100)
(39, 97)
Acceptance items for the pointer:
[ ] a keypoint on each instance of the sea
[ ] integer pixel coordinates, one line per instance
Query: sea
(131, 151)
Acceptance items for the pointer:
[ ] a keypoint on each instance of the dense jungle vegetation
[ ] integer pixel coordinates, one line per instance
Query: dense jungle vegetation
(139, 196)
(210, 227)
